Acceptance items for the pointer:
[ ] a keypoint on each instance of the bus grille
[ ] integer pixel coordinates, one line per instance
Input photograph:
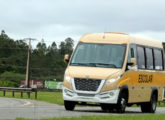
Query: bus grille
(86, 84)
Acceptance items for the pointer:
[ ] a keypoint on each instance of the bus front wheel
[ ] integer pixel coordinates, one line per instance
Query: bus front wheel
(69, 105)
(122, 102)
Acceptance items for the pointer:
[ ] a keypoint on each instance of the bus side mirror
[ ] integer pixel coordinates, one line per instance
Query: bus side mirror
(132, 63)
(66, 58)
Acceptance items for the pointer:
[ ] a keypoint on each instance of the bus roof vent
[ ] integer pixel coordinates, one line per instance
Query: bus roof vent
(117, 33)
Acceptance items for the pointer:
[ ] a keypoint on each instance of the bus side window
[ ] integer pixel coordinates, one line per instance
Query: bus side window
(132, 52)
(149, 58)
(141, 57)
(162, 58)
(158, 59)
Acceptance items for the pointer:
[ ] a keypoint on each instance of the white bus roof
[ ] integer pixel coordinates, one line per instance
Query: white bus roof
(119, 38)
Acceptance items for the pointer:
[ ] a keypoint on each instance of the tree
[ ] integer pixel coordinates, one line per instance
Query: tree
(67, 46)
(69, 43)
(52, 50)
(4, 35)
(62, 48)
(54, 46)
(41, 48)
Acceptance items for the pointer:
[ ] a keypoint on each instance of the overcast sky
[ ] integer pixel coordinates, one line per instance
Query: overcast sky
(55, 20)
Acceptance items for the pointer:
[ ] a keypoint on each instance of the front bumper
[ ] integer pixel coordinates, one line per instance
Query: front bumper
(109, 97)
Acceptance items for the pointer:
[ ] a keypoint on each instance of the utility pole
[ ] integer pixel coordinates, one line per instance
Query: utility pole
(28, 63)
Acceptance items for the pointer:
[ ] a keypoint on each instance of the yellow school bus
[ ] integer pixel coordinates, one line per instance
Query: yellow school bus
(115, 70)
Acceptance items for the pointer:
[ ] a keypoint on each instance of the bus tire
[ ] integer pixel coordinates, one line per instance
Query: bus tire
(104, 107)
(107, 107)
(69, 105)
(150, 107)
(122, 102)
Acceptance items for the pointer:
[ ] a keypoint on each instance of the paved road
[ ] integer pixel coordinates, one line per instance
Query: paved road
(11, 108)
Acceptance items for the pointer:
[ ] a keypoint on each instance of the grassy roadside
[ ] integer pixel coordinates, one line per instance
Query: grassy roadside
(51, 97)
(110, 117)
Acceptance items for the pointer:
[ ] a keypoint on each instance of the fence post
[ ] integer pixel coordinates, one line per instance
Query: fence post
(21, 90)
(21, 94)
(28, 94)
(35, 93)
(4, 92)
(13, 93)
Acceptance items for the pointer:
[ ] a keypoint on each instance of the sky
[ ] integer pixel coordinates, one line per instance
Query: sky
(55, 20)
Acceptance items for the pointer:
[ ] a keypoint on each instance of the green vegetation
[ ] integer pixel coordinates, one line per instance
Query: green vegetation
(110, 117)
(10, 79)
(161, 104)
(51, 97)
(46, 61)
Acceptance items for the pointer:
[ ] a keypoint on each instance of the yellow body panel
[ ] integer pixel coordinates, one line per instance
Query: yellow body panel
(141, 83)
(92, 72)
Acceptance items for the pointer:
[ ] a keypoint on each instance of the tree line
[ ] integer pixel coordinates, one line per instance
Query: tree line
(46, 61)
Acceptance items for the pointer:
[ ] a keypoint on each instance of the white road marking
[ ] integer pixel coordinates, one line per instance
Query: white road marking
(27, 103)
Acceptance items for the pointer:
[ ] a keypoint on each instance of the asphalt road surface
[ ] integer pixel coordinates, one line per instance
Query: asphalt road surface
(11, 108)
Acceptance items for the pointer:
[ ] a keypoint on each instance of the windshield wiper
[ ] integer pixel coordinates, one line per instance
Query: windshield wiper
(94, 64)
(83, 64)
(106, 64)
(78, 64)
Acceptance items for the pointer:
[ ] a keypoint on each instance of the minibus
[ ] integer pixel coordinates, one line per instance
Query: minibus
(115, 70)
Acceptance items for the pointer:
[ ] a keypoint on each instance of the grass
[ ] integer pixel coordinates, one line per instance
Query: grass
(51, 97)
(110, 117)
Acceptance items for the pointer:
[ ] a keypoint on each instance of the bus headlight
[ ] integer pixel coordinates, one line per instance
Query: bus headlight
(110, 81)
(113, 80)
(67, 78)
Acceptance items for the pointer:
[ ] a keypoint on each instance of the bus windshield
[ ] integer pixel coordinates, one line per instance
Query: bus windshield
(99, 55)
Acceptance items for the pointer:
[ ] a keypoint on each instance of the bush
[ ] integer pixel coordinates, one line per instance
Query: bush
(11, 79)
